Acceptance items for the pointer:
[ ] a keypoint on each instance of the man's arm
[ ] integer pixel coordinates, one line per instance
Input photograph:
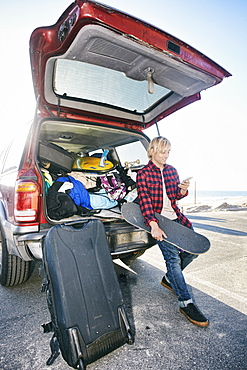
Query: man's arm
(147, 207)
(144, 197)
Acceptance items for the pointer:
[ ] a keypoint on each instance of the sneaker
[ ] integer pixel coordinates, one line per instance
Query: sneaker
(166, 283)
(194, 315)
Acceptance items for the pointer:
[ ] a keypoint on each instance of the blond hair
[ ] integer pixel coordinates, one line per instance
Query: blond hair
(158, 144)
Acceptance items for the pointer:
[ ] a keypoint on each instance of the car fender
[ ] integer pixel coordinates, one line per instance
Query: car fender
(8, 230)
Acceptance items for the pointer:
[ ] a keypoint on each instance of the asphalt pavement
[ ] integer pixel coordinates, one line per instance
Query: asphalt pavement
(164, 339)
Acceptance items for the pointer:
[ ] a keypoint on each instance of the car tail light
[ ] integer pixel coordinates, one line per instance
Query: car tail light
(26, 201)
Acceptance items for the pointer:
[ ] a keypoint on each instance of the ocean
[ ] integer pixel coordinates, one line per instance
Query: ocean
(208, 197)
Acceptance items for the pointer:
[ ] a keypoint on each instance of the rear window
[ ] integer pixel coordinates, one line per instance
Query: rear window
(92, 83)
(129, 155)
(132, 154)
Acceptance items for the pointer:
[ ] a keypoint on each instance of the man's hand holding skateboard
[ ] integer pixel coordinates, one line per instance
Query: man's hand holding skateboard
(156, 231)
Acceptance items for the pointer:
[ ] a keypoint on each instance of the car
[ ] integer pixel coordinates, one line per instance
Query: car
(101, 77)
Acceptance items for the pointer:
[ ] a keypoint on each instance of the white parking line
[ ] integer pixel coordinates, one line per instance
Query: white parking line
(217, 288)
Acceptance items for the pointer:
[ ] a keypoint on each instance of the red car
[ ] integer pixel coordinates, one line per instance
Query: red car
(100, 78)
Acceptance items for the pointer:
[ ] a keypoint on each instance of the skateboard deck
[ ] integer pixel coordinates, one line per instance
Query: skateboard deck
(92, 164)
(178, 235)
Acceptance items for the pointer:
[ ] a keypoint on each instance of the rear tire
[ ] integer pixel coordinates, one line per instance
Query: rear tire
(130, 257)
(13, 270)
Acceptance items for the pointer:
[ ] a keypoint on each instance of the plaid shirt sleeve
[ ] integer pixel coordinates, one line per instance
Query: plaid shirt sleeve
(148, 189)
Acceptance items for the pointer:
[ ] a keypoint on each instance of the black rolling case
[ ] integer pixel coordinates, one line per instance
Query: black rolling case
(83, 292)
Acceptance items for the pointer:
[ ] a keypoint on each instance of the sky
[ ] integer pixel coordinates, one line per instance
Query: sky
(208, 137)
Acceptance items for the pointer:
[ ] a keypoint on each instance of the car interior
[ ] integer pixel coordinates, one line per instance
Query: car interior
(124, 149)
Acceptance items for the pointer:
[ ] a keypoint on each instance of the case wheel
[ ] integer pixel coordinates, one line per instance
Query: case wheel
(130, 338)
(81, 365)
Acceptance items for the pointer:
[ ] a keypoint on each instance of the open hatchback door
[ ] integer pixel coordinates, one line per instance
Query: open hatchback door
(100, 64)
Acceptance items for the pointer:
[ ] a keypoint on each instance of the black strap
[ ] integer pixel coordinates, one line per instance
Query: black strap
(83, 211)
(54, 350)
(48, 327)
(43, 276)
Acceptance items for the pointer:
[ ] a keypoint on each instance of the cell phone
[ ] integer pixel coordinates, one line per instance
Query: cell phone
(188, 179)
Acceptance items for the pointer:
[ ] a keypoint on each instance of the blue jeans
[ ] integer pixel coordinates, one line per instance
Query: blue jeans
(176, 261)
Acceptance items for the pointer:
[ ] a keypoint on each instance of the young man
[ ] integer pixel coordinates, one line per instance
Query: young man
(159, 188)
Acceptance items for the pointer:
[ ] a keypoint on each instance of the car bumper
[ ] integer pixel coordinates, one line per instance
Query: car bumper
(122, 238)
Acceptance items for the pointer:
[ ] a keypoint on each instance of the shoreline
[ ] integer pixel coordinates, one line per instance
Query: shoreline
(229, 204)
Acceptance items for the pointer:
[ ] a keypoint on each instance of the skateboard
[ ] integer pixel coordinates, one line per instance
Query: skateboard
(92, 164)
(178, 235)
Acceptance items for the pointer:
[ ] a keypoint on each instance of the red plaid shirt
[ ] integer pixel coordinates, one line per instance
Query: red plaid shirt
(150, 191)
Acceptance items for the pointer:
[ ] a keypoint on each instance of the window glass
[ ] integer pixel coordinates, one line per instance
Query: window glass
(74, 79)
(134, 153)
